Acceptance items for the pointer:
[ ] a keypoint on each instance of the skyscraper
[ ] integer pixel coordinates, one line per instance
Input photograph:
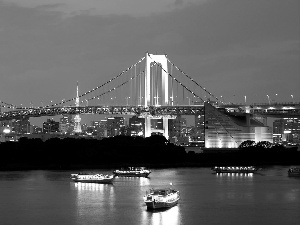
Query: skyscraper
(65, 124)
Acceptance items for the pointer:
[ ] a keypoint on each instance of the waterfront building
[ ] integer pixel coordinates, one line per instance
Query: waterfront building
(102, 128)
(65, 125)
(50, 126)
(198, 135)
(137, 126)
(36, 130)
(223, 130)
(287, 130)
(177, 130)
(21, 126)
(114, 125)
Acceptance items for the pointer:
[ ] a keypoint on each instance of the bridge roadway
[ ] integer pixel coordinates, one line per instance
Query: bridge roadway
(105, 110)
(276, 110)
(286, 109)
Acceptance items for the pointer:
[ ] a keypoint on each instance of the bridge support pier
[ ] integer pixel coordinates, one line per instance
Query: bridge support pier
(164, 131)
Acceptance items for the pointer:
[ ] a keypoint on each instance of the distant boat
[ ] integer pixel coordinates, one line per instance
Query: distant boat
(132, 172)
(294, 172)
(235, 169)
(92, 178)
(161, 198)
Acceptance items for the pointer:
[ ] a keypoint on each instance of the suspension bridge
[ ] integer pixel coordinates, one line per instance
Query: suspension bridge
(153, 87)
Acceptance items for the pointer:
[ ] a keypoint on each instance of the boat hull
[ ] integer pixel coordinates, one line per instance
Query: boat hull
(131, 174)
(294, 174)
(106, 181)
(160, 205)
(235, 171)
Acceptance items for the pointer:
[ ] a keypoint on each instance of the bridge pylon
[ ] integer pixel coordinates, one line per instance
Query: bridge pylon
(162, 62)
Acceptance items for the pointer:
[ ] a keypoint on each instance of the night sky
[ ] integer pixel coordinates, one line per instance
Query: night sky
(234, 48)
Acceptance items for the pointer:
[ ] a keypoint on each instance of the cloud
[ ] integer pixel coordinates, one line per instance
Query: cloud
(106, 7)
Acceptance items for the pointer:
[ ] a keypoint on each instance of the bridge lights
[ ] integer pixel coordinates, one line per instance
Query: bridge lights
(189, 100)
(127, 100)
(268, 99)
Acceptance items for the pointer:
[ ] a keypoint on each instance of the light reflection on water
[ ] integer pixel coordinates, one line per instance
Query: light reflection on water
(101, 195)
(168, 216)
(50, 197)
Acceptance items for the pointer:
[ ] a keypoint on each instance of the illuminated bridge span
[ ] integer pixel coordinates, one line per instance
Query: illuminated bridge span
(284, 109)
(152, 111)
(153, 87)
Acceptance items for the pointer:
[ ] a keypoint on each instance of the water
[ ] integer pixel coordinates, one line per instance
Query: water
(49, 197)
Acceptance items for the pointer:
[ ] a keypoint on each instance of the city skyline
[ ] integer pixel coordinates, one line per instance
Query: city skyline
(233, 48)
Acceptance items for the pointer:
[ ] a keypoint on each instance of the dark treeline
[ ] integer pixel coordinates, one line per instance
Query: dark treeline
(154, 152)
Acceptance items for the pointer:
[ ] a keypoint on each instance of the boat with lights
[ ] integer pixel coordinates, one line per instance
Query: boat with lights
(132, 172)
(235, 169)
(294, 172)
(92, 178)
(161, 198)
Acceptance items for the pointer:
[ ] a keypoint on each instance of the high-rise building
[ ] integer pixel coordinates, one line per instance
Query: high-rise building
(178, 130)
(137, 126)
(199, 135)
(65, 125)
(103, 128)
(177, 126)
(22, 125)
(287, 130)
(114, 125)
(36, 129)
(50, 126)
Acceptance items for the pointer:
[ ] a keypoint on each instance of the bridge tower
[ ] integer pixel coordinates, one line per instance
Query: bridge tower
(77, 119)
(162, 61)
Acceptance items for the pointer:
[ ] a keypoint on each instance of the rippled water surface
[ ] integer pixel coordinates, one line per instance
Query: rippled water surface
(49, 197)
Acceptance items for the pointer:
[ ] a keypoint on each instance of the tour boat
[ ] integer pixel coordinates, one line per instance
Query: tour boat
(294, 172)
(132, 172)
(92, 178)
(235, 169)
(161, 198)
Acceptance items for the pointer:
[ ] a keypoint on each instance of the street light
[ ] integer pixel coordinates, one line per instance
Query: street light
(292, 98)
(268, 99)
(245, 99)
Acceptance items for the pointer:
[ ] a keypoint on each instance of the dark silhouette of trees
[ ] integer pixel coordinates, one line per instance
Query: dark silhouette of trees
(154, 151)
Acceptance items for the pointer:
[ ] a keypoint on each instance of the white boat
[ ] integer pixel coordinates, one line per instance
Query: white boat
(132, 172)
(92, 178)
(161, 198)
(235, 169)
